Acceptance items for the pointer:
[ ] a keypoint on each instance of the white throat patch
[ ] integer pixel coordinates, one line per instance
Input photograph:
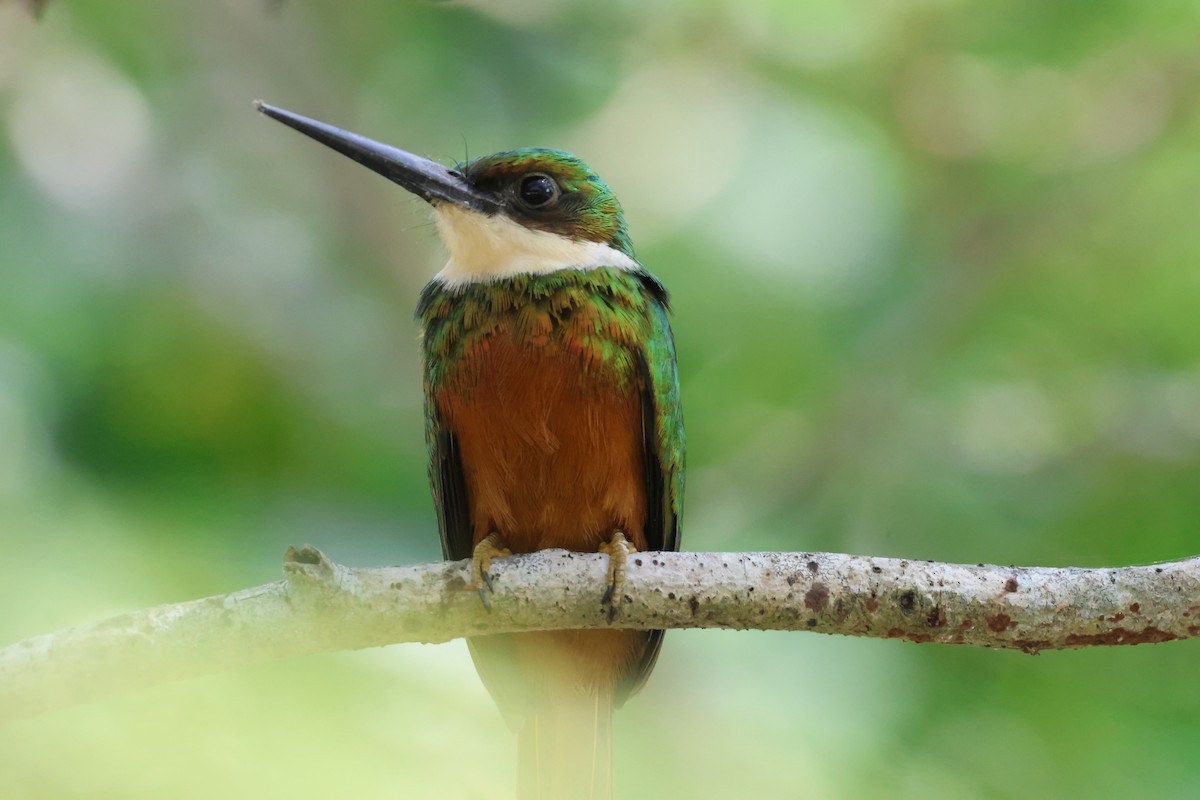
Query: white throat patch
(484, 248)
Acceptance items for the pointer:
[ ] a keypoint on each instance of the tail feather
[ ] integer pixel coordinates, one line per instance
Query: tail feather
(565, 749)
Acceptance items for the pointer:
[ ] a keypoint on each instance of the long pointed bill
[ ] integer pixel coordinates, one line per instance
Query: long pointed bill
(426, 179)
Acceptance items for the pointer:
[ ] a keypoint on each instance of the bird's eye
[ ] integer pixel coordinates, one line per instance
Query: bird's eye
(537, 191)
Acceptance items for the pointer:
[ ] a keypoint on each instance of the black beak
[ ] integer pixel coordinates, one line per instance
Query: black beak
(426, 179)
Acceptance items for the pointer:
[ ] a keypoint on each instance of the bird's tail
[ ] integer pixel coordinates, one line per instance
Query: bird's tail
(565, 749)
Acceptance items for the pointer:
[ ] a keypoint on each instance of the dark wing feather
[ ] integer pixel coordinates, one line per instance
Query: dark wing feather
(662, 434)
(446, 479)
(449, 491)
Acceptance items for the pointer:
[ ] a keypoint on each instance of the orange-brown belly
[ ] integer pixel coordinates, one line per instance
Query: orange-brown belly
(552, 456)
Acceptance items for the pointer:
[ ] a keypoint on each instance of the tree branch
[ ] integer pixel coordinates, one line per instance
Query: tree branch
(322, 607)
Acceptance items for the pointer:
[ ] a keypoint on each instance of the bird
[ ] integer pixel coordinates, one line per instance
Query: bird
(553, 420)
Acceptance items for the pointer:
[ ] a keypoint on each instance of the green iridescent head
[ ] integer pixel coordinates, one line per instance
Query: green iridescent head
(553, 191)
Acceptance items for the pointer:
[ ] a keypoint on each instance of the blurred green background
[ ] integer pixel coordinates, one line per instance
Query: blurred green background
(936, 273)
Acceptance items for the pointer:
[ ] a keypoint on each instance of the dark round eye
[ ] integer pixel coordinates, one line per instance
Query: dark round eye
(537, 191)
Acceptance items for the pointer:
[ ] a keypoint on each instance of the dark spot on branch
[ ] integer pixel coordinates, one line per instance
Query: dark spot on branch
(812, 567)
(1149, 635)
(812, 622)
(1000, 623)
(872, 604)
(908, 601)
(693, 604)
(791, 579)
(1117, 617)
(936, 618)
(1135, 607)
(1010, 585)
(877, 570)
(670, 595)
(396, 585)
(816, 598)
(1158, 569)
(915, 638)
(637, 561)
(1193, 630)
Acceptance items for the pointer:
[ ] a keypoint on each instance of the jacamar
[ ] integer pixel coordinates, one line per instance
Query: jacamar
(552, 418)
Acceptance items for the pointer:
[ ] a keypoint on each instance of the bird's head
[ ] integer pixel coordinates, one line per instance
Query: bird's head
(531, 210)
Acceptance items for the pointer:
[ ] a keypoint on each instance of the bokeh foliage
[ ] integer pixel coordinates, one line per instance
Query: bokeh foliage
(936, 272)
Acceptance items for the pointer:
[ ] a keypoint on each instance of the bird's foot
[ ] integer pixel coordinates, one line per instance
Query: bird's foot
(491, 546)
(618, 549)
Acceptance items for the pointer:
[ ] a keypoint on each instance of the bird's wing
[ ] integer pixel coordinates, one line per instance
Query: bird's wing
(662, 433)
(449, 488)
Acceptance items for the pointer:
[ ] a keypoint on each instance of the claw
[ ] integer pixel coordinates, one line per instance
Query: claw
(618, 549)
(481, 564)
